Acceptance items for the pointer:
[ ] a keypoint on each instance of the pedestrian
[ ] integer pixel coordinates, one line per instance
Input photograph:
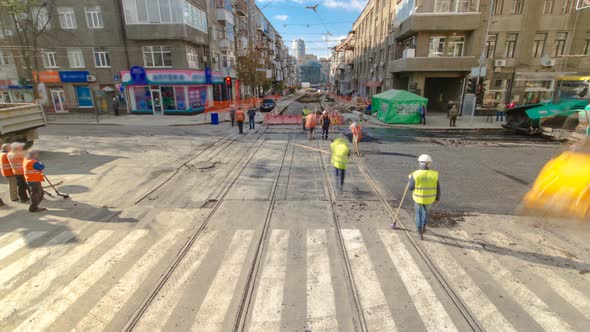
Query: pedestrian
(423, 114)
(453, 114)
(340, 154)
(34, 176)
(232, 115)
(16, 157)
(325, 123)
(304, 112)
(425, 189)
(357, 134)
(8, 173)
(116, 106)
(511, 105)
(310, 123)
(240, 117)
(251, 116)
(500, 111)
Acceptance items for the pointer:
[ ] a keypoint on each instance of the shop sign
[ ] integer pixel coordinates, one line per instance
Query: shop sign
(74, 76)
(116, 77)
(138, 75)
(172, 76)
(84, 96)
(47, 76)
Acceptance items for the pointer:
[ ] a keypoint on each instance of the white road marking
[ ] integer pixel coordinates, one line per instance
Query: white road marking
(105, 310)
(321, 305)
(432, 312)
(159, 311)
(268, 305)
(8, 236)
(15, 245)
(22, 296)
(214, 308)
(480, 305)
(528, 301)
(375, 308)
(21, 264)
(54, 305)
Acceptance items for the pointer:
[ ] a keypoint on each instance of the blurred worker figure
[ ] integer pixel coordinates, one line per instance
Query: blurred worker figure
(357, 134)
(453, 114)
(310, 123)
(325, 123)
(116, 105)
(1, 202)
(426, 190)
(240, 118)
(251, 116)
(16, 157)
(304, 113)
(34, 176)
(501, 109)
(232, 115)
(8, 173)
(340, 154)
(423, 114)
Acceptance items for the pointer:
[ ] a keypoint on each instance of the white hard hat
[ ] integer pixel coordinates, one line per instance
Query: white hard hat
(425, 159)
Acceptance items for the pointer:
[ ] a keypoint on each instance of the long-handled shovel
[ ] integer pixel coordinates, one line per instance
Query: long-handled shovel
(57, 192)
(394, 225)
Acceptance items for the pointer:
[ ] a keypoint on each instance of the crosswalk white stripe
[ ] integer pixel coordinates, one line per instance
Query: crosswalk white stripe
(432, 312)
(105, 310)
(157, 314)
(480, 305)
(7, 236)
(23, 296)
(374, 305)
(268, 305)
(33, 257)
(528, 301)
(561, 287)
(54, 305)
(15, 245)
(321, 305)
(214, 308)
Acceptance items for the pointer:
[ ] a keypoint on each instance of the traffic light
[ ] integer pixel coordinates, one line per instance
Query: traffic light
(227, 80)
(471, 85)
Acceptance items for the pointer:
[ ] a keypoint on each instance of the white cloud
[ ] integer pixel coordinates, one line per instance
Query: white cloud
(351, 5)
(282, 17)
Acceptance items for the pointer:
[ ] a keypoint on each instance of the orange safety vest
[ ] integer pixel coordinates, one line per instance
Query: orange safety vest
(240, 116)
(32, 174)
(6, 168)
(357, 131)
(16, 163)
(310, 121)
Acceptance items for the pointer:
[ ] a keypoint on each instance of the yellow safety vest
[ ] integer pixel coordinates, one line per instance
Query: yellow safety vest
(425, 186)
(340, 152)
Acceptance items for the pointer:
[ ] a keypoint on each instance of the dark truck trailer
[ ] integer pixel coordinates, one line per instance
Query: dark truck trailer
(19, 123)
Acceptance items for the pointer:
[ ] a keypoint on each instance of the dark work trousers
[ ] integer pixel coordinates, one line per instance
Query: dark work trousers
(325, 132)
(241, 127)
(251, 122)
(303, 123)
(36, 195)
(22, 186)
(340, 173)
(232, 117)
(453, 122)
(423, 119)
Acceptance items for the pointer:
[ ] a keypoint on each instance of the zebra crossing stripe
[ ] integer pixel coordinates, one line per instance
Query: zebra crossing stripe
(528, 301)
(105, 310)
(8, 236)
(211, 315)
(57, 303)
(15, 245)
(375, 308)
(159, 311)
(23, 263)
(432, 312)
(268, 305)
(321, 305)
(479, 304)
(22, 296)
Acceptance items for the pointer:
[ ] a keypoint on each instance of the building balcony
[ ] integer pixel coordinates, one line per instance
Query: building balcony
(176, 31)
(224, 15)
(225, 44)
(241, 8)
(8, 72)
(463, 63)
(437, 22)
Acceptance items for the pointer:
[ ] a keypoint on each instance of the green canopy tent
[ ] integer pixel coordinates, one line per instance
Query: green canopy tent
(398, 106)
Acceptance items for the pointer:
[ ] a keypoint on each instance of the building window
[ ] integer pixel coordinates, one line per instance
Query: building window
(587, 44)
(511, 44)
(455, 46)
(568, 6)
(41, 16)
(4, 58)
(195, 17)
(559, 44)
(538, 45)
(67, 17)
(157, 56)
(518, 7)
(436, 46)
(491, 46)
(101, 58)
(497, 7)
(192, 57)
(94, 17)
(49, 59)
(75, 58)
(548, 7)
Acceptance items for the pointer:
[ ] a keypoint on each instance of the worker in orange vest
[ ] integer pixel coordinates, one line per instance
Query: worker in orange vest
(16, 157)
(357, 133)
(310, 122)
(8, 173)
(34, 176)
(240, 118)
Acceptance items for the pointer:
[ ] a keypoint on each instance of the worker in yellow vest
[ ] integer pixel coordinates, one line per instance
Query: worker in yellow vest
(340, 154)
(425, 190)
(34, 175)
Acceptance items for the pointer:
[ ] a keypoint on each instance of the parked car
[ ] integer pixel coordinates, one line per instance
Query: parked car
(267, 105)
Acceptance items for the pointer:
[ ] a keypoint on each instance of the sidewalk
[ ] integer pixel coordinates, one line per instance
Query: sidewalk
(440, 121)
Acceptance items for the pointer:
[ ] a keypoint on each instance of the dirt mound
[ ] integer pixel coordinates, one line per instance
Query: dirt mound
(79, 152)
(445, 219)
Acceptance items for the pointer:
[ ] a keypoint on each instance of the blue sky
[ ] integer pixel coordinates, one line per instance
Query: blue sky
(294, 21)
